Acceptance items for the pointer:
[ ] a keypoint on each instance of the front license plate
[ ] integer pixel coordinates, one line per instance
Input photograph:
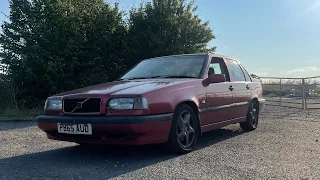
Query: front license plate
(85, 129)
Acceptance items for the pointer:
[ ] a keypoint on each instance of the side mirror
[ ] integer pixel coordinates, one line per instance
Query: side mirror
(215, 78)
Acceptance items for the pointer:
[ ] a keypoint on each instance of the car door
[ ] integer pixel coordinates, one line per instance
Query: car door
(240, 86)
(219, 97)
(249, 84)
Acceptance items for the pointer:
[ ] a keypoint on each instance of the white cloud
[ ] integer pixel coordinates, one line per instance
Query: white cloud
(313, 68)
(261, 74)
(311, 8)
(305, 69)
(264, 69)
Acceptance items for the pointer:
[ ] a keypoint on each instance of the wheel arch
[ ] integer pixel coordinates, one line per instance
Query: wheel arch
(255, 99)
(194, 105)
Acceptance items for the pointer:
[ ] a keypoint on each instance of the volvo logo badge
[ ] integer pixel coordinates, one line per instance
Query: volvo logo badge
(79, 104)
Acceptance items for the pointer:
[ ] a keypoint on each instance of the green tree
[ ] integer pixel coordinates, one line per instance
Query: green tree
(57, 45)
(51, 46)
(166, 27)
(7, 97)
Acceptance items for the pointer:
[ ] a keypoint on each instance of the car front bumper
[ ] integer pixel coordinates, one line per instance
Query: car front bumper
(130, 130)
(262, 105)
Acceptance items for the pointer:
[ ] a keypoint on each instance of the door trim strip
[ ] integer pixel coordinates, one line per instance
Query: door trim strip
(216, 108)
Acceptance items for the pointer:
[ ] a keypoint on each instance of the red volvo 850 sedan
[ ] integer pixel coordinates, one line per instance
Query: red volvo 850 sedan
(172, 99)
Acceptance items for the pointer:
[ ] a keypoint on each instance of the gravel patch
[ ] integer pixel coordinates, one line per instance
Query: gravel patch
(285, 146)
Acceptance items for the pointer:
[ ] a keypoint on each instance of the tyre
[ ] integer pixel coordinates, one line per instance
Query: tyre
(252, 117)
(184, 131)
(85, 145)
(91, 146)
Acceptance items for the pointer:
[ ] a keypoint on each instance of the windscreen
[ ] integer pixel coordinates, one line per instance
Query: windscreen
(188, 66)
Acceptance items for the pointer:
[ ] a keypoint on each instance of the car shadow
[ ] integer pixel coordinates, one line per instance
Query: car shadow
(4, 126)
(96, 162)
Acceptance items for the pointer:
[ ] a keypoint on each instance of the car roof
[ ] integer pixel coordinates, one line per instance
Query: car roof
(222, 56)
(207, 54)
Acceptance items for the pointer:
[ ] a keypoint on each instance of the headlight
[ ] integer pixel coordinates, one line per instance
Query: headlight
(127, 103)
(53, 104)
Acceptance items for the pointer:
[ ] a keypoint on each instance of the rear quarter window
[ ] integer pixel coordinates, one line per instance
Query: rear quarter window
(246, 74)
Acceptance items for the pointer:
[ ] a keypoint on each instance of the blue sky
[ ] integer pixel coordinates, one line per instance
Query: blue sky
(269, 37)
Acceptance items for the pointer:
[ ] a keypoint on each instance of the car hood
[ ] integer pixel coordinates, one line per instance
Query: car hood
(126, 87)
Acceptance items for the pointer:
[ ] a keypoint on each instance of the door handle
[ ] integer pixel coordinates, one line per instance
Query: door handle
(231, 88)
(248, 87)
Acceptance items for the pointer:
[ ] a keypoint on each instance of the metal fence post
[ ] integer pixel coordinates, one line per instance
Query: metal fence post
(303, 94)
(305, 102)
(280, 93)
(306, 96)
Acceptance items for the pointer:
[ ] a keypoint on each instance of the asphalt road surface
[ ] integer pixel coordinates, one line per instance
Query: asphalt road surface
(285, 146)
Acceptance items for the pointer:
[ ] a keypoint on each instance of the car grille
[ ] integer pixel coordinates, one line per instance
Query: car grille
(82, 106)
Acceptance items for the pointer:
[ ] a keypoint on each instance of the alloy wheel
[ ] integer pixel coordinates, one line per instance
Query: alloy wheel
(186, 130)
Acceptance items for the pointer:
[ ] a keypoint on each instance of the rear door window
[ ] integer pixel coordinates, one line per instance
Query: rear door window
(235, 71)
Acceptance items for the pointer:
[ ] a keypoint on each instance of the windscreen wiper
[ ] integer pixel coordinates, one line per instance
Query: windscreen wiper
(154, 77)
(177, 76)
(133, 78)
